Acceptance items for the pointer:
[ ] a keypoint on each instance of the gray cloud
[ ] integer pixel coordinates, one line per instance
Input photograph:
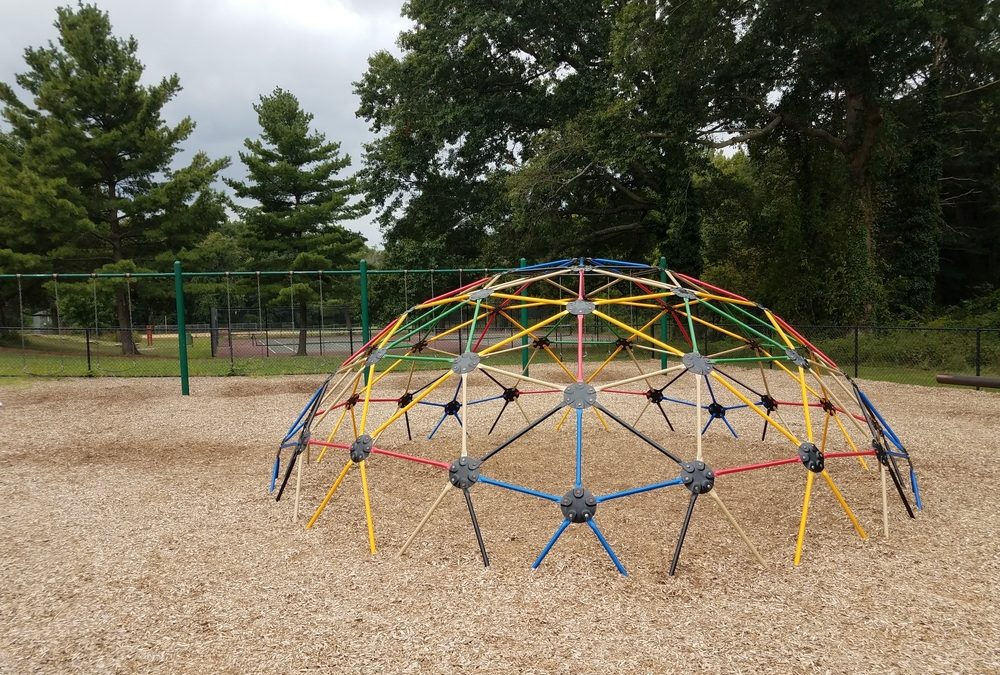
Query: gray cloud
(229, 52)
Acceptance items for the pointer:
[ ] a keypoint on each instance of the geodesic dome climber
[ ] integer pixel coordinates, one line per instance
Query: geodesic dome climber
(588, 348)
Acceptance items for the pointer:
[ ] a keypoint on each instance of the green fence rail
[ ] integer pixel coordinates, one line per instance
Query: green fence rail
(189, 324)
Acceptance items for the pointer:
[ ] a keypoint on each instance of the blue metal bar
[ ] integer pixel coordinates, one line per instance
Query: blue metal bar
(518, 488)
(737, 407)
(436, 405)
(295, 425)
(638, 490)
(680, 401)
(274, 473)
(289, 444)
(565, 262)
(607, 547)
(885, 425)
(711, 392)
(458, 419)
(707, 424)
(485, 400)
(437, 426)
(552, 542)
(915, 489)
(621, 263)
(731, 430)
(579, 448)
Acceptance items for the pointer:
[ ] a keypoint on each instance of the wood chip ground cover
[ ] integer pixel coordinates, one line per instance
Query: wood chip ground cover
(136, 535)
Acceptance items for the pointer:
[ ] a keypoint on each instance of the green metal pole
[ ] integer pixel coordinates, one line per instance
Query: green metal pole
(182, 348)
(524, 323)
(366, 329)
(663, 319)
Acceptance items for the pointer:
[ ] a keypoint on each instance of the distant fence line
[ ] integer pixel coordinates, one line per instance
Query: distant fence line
(287, 322)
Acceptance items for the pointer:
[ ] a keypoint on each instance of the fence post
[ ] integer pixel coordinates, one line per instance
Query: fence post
(524, 324)
(182, 350)
(663, 319)
(87, 333)
(979, 352)
(855, 350)
(365, 327)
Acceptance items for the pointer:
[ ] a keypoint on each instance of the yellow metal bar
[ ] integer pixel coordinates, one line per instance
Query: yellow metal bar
(826, 426)
(529, 298)
(781, 428)
(802, 375)
(562, 419)
(805, 514)
(864, 464)
(495, 347)
(416, 399)
(638, 333)
(330, 437)
(367, 398)
(368, 508)
(843, 504)
(630, 298)
(329, 494)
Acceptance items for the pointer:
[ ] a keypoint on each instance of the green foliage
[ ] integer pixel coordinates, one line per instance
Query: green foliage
(88, 173)
(298, 202)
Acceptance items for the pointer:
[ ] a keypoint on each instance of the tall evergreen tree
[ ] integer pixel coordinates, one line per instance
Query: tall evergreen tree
(299, 200)
(91, 173)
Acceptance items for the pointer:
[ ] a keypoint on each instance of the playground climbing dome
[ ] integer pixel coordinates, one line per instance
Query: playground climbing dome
(656, 358)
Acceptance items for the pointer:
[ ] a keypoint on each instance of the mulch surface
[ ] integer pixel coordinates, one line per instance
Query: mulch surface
(137, 535)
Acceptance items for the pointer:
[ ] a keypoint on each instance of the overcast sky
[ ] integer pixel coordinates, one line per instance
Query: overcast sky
(229, 52)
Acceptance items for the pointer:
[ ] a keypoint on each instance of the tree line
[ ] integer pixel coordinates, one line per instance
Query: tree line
(835, 160)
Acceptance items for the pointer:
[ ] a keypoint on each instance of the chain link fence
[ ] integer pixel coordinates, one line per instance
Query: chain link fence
(276, 323)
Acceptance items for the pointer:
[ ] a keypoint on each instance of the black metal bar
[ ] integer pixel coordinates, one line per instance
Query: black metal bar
(979, 352)
(894, 472)
(499, 414)
(684, 529)
(406, 416)
(660, 406)
(522, 432)
(475, 527)
(636, 432)
(748, 388)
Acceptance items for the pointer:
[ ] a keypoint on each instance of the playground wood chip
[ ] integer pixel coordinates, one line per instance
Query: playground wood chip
(136, 535)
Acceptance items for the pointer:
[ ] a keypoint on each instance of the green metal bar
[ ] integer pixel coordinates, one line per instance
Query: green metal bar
(432, 320)
(182, 348)
(751, 358)
(472, 327)
(722, 312)
(694, 339)
(663, 319)
(524, 324)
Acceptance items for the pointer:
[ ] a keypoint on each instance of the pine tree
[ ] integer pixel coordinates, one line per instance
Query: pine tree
(93, 175)
(292, 178)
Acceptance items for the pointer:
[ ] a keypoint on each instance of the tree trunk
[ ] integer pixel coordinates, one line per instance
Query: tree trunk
(301, 311)
(124, 327)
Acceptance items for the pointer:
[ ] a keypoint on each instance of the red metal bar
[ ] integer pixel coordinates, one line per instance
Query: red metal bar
(456, 291)
(751, 467)
(388, 453)
(579, 334)
(723, 291)
(369, 343)
(804, 341)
